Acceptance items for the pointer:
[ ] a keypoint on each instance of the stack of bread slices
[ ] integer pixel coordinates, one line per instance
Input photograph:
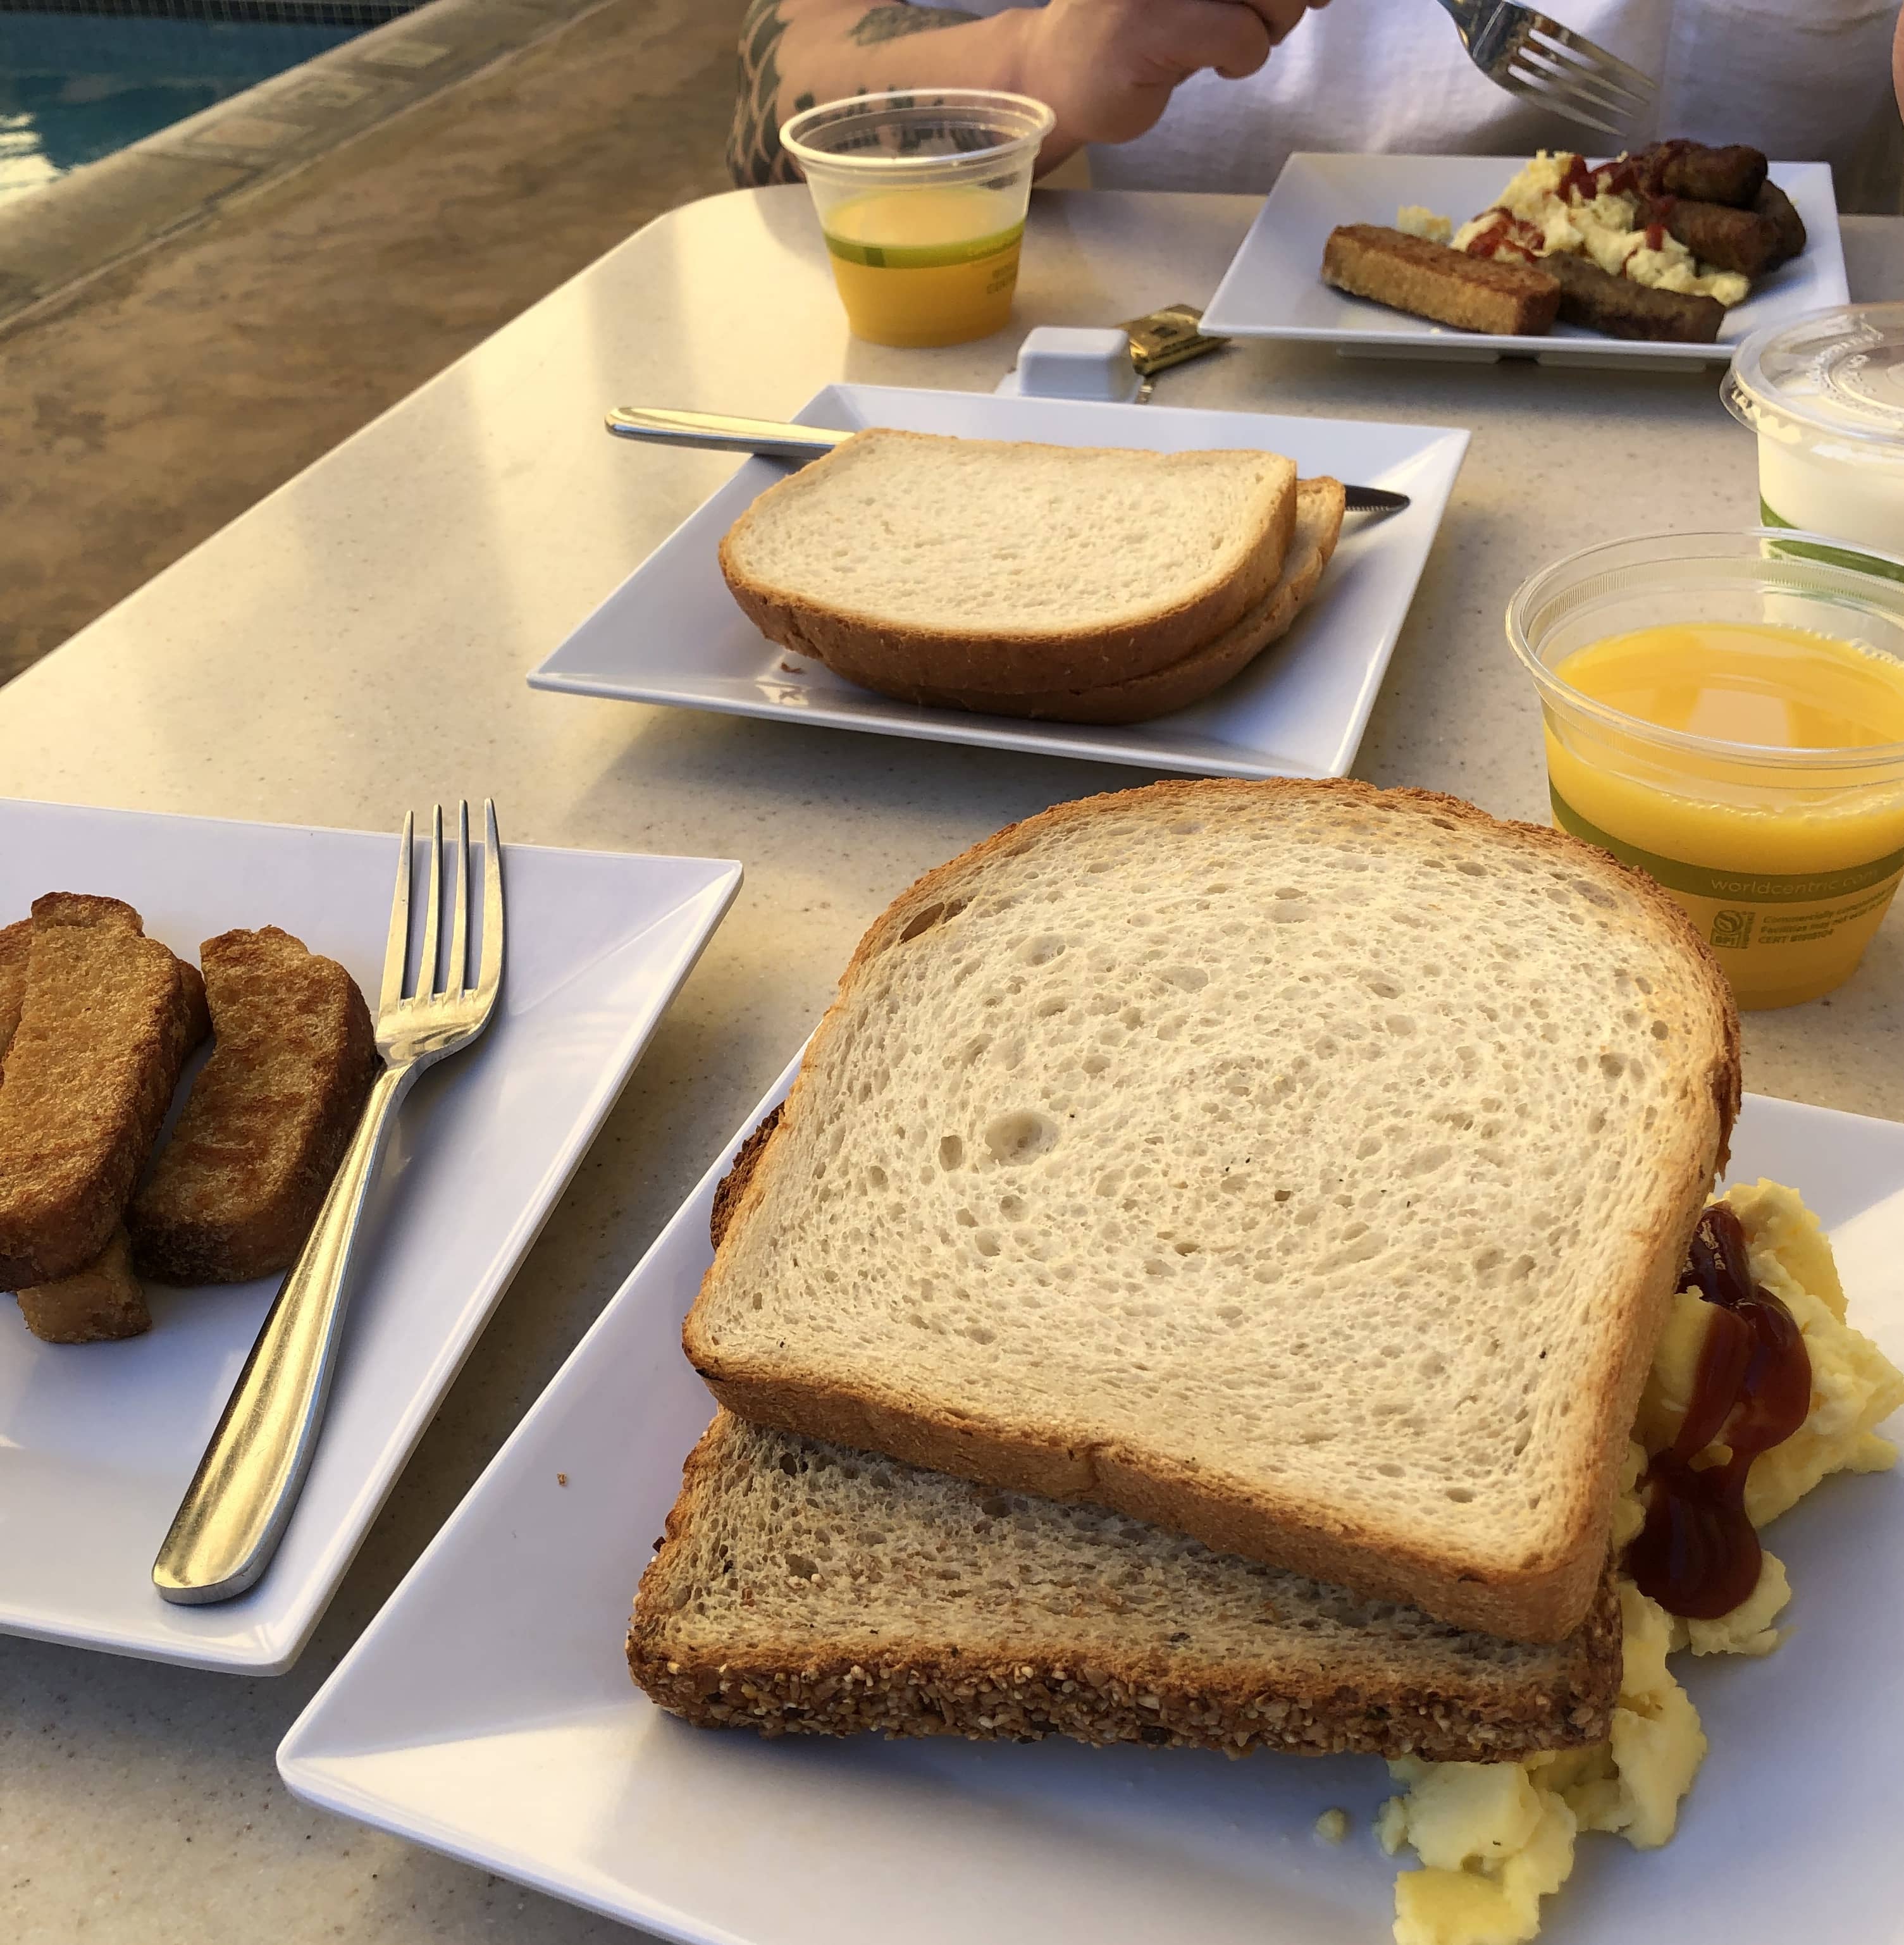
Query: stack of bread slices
(1081, 585)
(1198, 1289)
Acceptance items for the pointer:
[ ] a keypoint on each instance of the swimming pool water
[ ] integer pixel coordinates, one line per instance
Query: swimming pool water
(75, 87)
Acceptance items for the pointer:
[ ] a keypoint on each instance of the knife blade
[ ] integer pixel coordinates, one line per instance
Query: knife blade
(773, 438)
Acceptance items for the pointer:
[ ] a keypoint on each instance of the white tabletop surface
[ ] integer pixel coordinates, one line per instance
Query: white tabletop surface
(357, 643)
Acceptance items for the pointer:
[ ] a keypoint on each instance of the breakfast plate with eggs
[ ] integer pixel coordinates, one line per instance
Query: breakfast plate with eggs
(1273, 288)
(1744, 1791)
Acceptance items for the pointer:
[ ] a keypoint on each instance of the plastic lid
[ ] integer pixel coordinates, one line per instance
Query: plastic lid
(1835, 377)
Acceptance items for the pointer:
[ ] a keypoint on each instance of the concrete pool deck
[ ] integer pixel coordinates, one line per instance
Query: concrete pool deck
(324, 273)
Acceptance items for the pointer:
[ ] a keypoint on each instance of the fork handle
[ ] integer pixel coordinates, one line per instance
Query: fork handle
(240, 1500)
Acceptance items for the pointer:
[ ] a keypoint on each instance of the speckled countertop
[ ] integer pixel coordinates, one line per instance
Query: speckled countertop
(358, 643)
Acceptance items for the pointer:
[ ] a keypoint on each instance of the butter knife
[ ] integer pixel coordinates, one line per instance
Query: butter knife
(774, 439)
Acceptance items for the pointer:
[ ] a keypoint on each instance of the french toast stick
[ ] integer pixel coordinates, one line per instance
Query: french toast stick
(102, 1302)
(107, 1019)
(1485, 294)
(236, 1189)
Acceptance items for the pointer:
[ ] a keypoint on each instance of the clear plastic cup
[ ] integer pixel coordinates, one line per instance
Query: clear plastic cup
(922, 198)
(1824, 393)
(1785, 858)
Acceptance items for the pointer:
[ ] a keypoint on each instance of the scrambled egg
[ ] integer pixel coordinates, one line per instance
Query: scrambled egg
(1601, 228)
(1494, 1838)
(1417, 221)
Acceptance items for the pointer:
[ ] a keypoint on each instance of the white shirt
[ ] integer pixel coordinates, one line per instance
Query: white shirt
(1803, 80)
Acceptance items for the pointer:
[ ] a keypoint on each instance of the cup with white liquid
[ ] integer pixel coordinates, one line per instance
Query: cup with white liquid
(1826, 396)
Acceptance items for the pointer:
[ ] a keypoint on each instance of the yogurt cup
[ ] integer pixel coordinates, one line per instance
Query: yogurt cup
(1826, 396)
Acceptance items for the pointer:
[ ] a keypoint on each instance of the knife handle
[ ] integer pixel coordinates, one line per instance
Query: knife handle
(717, 432)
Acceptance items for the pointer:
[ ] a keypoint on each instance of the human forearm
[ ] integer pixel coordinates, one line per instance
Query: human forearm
(1105, 68)
(794, 53)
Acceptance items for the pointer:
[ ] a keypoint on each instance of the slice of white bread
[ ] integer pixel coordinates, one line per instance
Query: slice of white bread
(802, 1588)
(1319, 505)
(1297, 1166)
(966, 562)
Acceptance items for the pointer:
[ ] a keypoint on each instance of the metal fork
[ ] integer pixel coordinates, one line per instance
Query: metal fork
(1549, 65)
(235, 1512)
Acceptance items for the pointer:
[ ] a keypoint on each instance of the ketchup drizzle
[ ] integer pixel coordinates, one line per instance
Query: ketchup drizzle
(1697, 1555)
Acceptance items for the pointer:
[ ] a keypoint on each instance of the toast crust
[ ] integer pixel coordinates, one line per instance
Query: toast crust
(1155, 1693)
(107, 1019)
(951, 658)
(1543, 1596)
(1321, 506)
(237, 1187)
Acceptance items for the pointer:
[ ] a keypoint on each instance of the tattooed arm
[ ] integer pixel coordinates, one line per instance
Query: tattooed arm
(1107, 67)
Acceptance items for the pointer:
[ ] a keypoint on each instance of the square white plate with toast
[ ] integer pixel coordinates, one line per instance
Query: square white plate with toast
(488, 1712)
(97, 1441)
(672, 632)
(1273, 286)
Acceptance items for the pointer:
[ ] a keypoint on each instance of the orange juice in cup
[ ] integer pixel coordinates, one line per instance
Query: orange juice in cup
(1729, 717)
(921, 198)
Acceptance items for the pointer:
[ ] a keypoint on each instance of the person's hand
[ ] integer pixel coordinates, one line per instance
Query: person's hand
(1107, 68)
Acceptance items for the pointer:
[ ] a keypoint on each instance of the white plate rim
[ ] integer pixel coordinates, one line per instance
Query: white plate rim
(1423, 340)
(302, 1612)
(1443, 449)
(308, 1772)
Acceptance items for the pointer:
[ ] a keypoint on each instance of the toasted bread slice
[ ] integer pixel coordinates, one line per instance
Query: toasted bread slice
(1301, 1166)
(1319, 507)
(106, 1020)
(1485, 294)
(958, 562)
(807, 1589)
(238, 1185)
(99, 1303)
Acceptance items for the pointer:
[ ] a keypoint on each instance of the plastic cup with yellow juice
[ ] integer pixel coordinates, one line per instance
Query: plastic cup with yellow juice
(922, 198)
(1727, 712)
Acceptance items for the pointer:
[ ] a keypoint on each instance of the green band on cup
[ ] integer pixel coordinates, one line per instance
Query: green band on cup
(1757, 888)
(1858, 563)
(925, 256)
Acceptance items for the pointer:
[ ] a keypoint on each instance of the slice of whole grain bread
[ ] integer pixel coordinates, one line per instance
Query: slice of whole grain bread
(805, 1588)
(1300, 1166)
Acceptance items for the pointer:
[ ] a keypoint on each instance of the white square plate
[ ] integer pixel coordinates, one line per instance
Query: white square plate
(488, 1712)
(1273, 286)
(672, 632)
(97, 1441)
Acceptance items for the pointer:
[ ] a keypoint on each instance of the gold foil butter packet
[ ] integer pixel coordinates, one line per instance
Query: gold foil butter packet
(1171, 336)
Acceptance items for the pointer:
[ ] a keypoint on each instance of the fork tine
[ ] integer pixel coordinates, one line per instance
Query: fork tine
(1582, 74)
(1610, 66)
(1517, 81)
(492, 904)
(457, 977)
(397, 950)
(1582, 93)
(426, 972)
